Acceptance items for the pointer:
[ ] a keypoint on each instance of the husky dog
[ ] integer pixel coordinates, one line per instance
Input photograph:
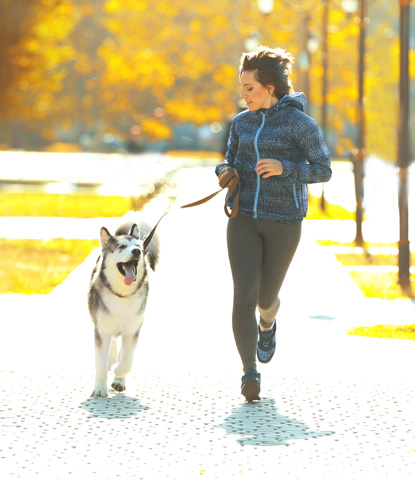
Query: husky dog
(117, 299)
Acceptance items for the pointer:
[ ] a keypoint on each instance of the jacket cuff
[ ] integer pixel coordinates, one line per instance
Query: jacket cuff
(218, 167)
(287, 168)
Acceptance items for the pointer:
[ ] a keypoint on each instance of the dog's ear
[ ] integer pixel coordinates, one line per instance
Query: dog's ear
(135, 231)
(105, 237)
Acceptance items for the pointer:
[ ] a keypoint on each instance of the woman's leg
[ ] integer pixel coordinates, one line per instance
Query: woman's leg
(245, 250)
(280, 243)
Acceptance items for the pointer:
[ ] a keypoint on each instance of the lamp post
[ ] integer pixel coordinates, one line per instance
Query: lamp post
(325, 54)
(350, 7)
(360, 157)
(403, 146)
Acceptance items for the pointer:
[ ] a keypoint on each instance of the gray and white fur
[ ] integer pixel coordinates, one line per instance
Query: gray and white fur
(117, 300)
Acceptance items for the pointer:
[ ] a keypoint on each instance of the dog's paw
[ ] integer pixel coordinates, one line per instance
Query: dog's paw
(100, 391)
(118, 384)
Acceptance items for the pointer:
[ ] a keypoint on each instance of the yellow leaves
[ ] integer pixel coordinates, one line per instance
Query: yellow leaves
(114, 6)
(226, 75)
(83, 64)
(120, 58)
(220, 21)
(184, 108)
(195, 26)
(155, 130)
(56, 21)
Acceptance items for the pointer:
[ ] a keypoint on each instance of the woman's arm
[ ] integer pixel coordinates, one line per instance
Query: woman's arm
(308, 137)
(231, 151)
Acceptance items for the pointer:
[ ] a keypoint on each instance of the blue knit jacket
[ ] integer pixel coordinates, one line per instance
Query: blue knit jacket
(283, 132)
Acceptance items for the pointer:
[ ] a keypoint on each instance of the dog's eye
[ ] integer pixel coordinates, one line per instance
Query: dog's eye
(122, 247)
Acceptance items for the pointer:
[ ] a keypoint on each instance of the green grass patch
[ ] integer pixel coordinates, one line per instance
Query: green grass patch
(38, 266)
(331, 211)
(401, 332)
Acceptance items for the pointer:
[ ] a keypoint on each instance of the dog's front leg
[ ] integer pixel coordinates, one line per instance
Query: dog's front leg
(102, 343)
(125, 361)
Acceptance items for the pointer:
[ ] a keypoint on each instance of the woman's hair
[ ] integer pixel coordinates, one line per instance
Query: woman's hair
(271, 66)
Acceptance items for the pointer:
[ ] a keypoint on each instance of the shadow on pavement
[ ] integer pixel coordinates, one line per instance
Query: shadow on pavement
(117, 406)
(262, 425)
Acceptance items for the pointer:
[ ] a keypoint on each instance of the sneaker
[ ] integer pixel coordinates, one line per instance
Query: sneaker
(266, 344)
(251, 386)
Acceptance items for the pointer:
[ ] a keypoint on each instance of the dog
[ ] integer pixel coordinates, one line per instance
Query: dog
(117, 299)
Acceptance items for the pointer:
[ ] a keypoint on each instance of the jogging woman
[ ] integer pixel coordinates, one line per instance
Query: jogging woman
(276, 150)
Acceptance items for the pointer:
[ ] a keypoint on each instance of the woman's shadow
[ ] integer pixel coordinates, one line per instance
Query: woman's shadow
(260, 424)
(118, 405)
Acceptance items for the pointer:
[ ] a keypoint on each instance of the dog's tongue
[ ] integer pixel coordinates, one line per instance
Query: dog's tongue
(129, 274)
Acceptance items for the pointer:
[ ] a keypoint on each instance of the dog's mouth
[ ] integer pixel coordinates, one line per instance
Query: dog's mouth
(129, 271)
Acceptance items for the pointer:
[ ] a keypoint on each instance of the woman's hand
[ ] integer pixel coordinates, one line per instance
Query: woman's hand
(268, 167)
(227, 171)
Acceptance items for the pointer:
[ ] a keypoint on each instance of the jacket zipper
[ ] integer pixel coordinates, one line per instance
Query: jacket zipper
(257, 160)
(295, 196)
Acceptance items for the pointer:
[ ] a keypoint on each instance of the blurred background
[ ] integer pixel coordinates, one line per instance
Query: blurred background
(112, 75)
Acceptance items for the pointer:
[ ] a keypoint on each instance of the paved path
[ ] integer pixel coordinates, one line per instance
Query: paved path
(333, 406)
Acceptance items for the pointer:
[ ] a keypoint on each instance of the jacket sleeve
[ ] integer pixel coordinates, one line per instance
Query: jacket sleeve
(232, 148)
(308, 138)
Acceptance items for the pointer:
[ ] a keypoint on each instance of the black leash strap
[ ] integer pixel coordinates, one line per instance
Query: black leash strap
(233, 177)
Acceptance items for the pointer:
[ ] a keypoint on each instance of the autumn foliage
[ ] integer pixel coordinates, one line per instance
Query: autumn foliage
(74, 66)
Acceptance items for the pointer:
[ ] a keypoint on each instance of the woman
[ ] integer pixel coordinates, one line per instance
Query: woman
(276, 150)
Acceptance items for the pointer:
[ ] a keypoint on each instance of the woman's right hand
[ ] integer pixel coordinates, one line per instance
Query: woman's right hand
(225, 176)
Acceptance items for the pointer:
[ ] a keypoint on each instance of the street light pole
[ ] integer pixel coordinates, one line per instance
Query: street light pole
(324, 86)
(403, 146)
(360, 156)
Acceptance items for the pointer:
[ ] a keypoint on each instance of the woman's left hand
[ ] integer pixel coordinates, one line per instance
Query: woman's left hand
(268, 167)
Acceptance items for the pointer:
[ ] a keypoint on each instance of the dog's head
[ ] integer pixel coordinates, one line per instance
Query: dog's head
(125, 252)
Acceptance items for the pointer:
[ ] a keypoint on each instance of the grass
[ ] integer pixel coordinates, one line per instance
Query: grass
(38, 266)
(401, 332)
(61, 205)
(374, 283)
(75, 206)
(331, 211)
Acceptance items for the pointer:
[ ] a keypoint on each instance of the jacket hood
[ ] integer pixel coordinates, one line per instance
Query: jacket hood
(294, 99)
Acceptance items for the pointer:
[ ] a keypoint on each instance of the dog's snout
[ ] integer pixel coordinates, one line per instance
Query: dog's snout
(136, 252)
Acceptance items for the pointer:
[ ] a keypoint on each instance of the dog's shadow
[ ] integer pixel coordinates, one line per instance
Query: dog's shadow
(260, 424)
(114, 406)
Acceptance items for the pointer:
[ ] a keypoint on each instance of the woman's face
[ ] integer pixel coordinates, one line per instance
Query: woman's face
(254, 93)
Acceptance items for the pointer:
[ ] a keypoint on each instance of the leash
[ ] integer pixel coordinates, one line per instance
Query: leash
(229, 178)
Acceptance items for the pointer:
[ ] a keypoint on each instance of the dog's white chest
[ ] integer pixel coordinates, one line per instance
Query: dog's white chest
(122, 316)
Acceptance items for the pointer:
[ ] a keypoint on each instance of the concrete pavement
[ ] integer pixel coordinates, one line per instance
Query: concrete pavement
(333, 406)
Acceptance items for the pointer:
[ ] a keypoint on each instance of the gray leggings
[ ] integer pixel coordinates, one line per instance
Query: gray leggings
(259, 253)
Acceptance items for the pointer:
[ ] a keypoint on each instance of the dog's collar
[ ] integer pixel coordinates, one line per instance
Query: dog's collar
(107, 284)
